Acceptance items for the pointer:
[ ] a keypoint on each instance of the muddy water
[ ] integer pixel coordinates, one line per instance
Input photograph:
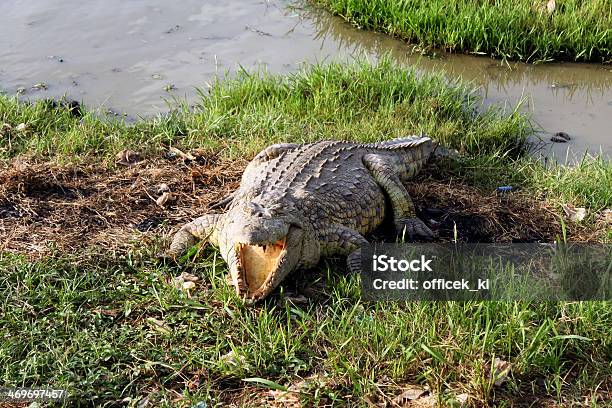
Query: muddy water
(131, 56)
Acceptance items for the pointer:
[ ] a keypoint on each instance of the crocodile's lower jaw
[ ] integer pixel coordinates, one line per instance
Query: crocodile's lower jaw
(258, 265)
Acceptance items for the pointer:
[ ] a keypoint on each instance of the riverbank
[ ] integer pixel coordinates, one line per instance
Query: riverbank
(86, 306)
(162, 52)
(525, 30)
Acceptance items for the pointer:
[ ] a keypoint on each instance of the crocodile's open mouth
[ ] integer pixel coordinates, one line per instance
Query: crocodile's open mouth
(258, 265)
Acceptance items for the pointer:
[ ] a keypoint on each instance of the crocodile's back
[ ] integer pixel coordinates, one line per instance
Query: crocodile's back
(329, 183)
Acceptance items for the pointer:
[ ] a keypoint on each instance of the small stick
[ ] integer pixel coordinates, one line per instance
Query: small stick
(184, 155)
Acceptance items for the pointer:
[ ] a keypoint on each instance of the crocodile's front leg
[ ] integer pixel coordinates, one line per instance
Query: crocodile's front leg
(404, 215)
(204, 228)
(340, 240)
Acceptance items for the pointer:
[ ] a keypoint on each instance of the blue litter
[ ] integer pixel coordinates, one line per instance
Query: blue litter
(503, 189)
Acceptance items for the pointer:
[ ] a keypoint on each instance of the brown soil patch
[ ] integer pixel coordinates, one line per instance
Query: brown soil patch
(479, 216)
(45, 205)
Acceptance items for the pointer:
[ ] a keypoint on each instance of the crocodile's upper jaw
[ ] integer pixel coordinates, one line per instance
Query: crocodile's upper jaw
(260, 267)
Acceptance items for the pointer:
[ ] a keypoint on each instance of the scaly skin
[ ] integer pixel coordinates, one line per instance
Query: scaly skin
(298, 203)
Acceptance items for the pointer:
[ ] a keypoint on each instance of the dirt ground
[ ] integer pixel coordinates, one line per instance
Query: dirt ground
(45, 206)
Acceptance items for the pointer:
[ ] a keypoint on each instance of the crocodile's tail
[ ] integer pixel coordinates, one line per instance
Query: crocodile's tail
(417, 148)
(429, 148)
(413, 151)
(407, 142)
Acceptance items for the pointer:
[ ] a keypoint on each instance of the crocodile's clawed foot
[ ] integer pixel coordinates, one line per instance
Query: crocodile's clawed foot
(413, 228)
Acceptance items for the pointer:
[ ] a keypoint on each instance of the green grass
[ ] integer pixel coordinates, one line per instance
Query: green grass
(576, 30)
(53, 332)
(238, 117)
(107, 327)
(243, 115)
(584, 184)
(578, 184)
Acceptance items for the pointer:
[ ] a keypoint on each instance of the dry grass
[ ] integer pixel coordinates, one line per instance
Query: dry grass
(45, 206)
(480, 216)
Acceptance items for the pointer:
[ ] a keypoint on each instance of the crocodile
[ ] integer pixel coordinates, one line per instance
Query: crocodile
(297, 203)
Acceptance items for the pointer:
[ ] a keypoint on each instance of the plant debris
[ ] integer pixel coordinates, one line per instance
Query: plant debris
(69, 207)
(164, 198)
(477, 216)
(127, 158)
(410, 393)
(40, 86)
(159, 325)
(185, 282)
(233, 359)
(185, 156)
(576, 214)
(500, 371)
(290, 397)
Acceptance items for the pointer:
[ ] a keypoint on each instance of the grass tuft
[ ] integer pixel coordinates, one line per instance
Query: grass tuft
(526, 30)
